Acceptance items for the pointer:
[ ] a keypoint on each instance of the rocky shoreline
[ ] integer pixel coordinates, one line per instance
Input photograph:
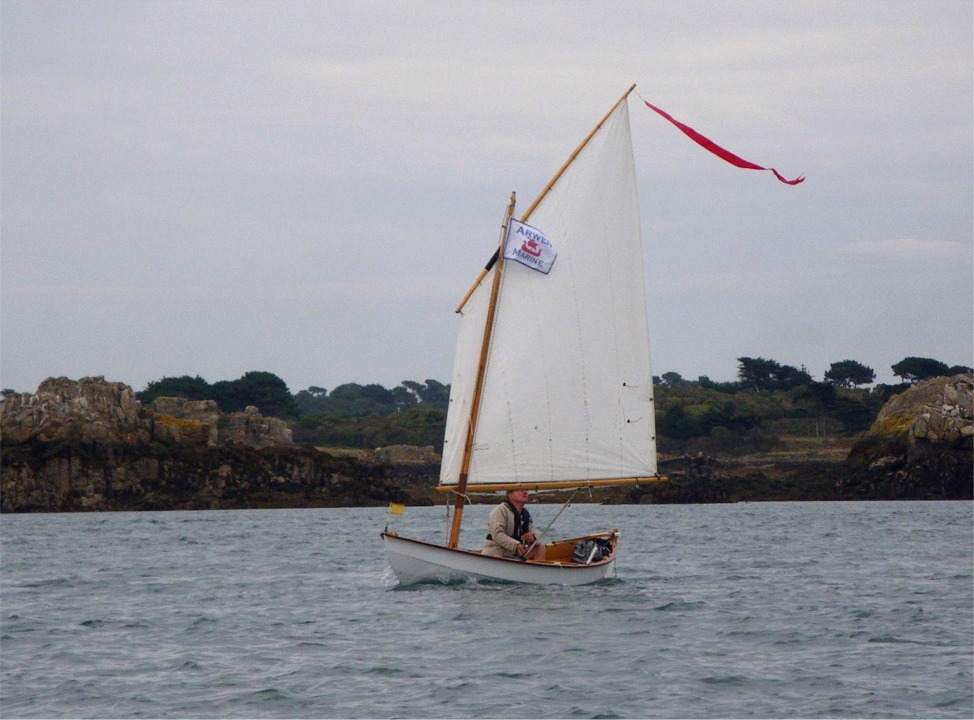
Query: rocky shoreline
(90, 445)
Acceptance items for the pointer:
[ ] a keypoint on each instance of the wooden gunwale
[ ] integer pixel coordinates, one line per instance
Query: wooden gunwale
(557, 554)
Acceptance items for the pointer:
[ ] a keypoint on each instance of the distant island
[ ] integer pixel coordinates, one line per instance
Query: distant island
(95, 445)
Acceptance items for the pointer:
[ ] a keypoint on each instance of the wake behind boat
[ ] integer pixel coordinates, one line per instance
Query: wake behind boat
(552, 386)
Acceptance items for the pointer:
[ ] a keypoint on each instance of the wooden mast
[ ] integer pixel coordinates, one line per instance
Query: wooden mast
(547, 188)
(479, 383)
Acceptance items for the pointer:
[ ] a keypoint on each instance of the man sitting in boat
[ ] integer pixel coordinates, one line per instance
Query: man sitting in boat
(510, 530)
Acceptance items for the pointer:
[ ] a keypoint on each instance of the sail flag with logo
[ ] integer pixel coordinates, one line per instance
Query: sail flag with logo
(529, 246)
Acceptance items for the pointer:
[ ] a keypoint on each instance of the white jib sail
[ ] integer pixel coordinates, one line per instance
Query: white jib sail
(568, 391)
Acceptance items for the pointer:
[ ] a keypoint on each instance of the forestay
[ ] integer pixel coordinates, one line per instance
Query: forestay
(568, 392)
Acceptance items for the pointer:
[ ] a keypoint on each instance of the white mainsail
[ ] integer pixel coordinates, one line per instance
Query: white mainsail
(568, 390)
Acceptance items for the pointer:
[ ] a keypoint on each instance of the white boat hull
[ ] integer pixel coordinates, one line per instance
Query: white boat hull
(416, 561)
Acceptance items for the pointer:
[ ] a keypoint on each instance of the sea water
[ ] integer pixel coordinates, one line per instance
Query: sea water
(747, 610)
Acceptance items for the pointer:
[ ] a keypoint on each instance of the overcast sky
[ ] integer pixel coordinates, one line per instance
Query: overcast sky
(210, 188)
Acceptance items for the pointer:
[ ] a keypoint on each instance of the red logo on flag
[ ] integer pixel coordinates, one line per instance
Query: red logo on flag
(531, 248)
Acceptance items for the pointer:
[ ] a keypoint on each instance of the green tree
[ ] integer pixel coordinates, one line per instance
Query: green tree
(791, 377)
(355, 400)
(433, 393)
(184, 386)
(849, 373)
(756, 373)
(727, 387)
(263, 390)
(267, 392)
(226, 396)
(675, 423)
(311, 401)
(437, 394)
(856, 413)
(816, 398)
(420, 425)
(404, 398)
(915, 369)
(760, 374)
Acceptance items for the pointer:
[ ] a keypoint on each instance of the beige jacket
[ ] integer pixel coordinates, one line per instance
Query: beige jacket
(500, 525)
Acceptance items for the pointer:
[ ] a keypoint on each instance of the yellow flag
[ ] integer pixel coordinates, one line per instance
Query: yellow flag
(396, 508)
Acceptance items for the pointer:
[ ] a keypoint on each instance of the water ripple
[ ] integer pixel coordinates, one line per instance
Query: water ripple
(763, 610)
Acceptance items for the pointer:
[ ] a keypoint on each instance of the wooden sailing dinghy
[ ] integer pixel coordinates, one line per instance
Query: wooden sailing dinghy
(552, 386)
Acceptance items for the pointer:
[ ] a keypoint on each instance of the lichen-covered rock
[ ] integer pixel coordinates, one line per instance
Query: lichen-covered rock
(179, 420)
(90, 410)
(251, 428)
(90, 444)
(920, 444)
(201, 422)
(406, 454)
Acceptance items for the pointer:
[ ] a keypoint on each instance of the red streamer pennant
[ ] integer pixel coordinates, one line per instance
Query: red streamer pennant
(718, 150)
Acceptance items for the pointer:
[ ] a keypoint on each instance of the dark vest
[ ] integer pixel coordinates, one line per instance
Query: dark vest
(522, 520)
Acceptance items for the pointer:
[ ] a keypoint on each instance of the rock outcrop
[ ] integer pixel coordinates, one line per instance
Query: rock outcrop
(399, 454)
(86, 411)
(920, 445)
(201, 422)
(91, 445)
(95, 411)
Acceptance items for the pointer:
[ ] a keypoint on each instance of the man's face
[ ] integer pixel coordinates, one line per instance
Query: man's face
(519, 496)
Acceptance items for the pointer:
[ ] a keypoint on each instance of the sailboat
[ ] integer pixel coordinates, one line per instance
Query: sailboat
(552, 387)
